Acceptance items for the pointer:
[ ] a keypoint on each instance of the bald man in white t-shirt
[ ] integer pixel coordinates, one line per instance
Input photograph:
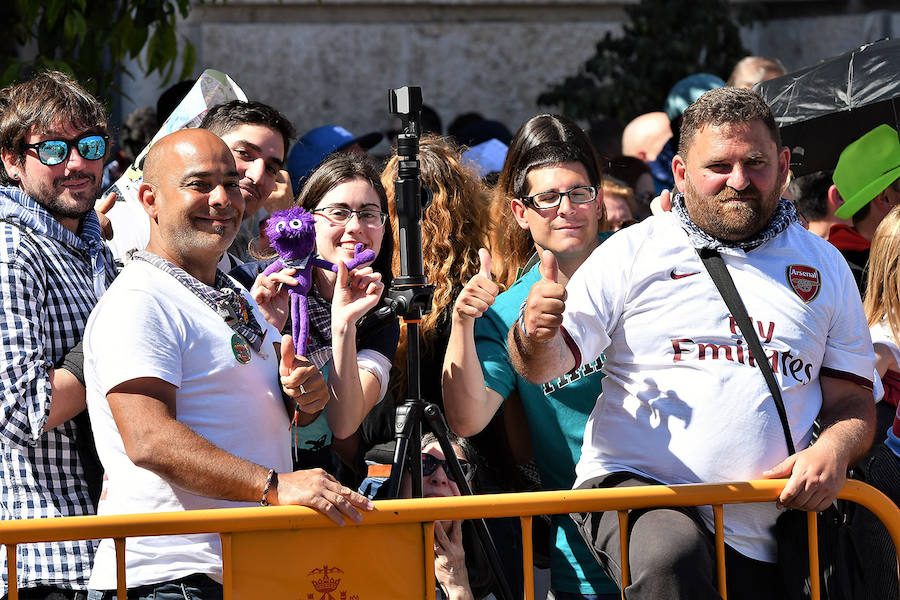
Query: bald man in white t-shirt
(682, 401)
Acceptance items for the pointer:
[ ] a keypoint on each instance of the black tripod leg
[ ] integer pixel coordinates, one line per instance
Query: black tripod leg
(407, 424)
(439, 427)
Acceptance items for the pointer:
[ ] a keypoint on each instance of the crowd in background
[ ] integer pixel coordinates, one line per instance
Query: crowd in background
(488, 233)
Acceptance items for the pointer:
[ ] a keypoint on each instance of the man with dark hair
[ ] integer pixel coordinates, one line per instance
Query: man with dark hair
(683, 401)
(817, 200)
(258, 136)
(53, 268)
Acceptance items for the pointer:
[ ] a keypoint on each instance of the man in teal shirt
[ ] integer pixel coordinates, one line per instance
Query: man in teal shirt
(560, 202)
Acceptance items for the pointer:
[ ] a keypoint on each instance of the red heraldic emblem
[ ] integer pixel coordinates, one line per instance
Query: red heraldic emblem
(805, 281)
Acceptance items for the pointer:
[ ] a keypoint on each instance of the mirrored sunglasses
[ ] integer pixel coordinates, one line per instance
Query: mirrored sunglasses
(54, 152)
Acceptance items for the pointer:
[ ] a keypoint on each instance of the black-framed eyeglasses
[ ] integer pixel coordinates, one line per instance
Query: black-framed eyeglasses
(430, 463)
(577, 195)
(91, 146)
(340, 215)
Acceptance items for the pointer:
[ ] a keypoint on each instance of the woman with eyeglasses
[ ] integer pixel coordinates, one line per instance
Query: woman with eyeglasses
(349, 204)
(459, 562)
(554, 210)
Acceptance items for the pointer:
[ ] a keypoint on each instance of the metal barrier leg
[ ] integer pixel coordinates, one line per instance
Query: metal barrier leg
(121, 583)
(812, 537)
(12, 577)
(527, 557)
(623, 549)
(227, 566)
(719, 516)
(428, 530)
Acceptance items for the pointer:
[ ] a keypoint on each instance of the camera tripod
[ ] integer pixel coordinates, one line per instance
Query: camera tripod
(410, 298)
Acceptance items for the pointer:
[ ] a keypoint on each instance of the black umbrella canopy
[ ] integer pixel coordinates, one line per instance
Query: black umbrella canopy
(823, 108)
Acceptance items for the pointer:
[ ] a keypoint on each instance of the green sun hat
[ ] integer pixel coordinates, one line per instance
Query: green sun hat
(866, 167)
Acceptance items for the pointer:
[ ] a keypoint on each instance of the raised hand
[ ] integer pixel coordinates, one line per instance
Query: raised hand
(301, 380)
(450, 560)
(478, 294)
(271, 294)
(361, 256)
(102, 207)
(355, 293)
(546, 302)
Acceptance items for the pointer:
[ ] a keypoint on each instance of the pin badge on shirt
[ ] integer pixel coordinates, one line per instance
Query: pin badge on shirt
(241, 349)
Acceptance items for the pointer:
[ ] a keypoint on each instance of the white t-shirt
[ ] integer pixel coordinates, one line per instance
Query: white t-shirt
(149, 325)
(681, 402)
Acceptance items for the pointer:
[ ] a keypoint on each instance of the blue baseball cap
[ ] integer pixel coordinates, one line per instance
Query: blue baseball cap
(687, 91)
(312, 148)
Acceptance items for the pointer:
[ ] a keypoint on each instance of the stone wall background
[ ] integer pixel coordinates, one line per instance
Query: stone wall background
(332, 62)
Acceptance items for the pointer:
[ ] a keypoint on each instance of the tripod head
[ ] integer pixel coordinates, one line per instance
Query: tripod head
(410, 295)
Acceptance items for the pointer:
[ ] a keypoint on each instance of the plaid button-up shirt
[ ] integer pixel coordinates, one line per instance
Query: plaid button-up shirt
(49, 282)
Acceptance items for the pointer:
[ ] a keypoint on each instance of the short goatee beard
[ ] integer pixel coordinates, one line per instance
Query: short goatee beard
(49, 198)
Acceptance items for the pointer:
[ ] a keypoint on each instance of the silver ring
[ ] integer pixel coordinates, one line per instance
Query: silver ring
(302, 389)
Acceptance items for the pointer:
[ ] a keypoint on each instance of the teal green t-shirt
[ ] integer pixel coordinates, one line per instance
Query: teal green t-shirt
(557, 413)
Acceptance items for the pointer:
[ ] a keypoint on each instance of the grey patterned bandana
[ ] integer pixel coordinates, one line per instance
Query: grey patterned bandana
(224, 298)
(781, 219)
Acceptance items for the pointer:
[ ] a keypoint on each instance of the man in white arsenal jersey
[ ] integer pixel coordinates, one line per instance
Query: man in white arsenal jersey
(683, 401)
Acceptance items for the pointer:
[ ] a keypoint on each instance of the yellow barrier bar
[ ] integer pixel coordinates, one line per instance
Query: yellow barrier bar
(426, 509)
(719, 517)
(812, 540)
(623, 551)
(527, 556)
(121, 583)
(390, 512)
(12, 578)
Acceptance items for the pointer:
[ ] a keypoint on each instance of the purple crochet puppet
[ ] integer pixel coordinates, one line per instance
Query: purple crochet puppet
(292, 233)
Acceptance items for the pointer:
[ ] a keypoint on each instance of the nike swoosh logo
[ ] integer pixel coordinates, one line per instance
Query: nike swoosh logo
(675, 275)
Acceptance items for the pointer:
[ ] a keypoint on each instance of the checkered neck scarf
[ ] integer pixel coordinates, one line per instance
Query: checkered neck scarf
(19, 205)
(223, 297)
(781, 219)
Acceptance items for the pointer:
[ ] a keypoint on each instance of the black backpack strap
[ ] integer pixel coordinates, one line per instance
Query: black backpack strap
(725, 284)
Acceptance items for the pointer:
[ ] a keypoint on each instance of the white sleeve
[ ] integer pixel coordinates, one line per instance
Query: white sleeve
(595, 298)
(133, 336)
(849, 346)
(378, 365)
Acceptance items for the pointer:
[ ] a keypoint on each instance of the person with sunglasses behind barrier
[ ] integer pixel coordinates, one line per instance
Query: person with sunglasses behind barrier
(460, 567)
(53, 269)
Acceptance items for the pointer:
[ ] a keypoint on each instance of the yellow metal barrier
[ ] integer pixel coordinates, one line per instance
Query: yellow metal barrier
(294, 552)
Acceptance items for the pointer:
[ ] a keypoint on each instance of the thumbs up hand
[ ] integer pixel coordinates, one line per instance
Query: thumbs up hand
(546, 302)
(300, 379)
(479, 293)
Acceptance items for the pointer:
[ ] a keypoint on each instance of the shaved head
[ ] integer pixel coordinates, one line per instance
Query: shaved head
(160, 157)
(645, 136)
(192, 195)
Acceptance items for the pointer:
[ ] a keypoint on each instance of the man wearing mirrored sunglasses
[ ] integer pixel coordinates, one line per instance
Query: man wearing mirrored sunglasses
(53, 268)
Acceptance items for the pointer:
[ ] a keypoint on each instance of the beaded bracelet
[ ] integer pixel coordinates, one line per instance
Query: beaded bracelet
(271, 479)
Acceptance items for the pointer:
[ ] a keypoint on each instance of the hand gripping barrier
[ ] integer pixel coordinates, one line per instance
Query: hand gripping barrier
(294, 552)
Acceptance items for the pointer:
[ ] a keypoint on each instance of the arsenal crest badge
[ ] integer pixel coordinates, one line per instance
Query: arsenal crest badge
(805, 281)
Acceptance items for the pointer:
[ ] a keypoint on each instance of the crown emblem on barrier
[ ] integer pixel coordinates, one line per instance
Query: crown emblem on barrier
(324, 581)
